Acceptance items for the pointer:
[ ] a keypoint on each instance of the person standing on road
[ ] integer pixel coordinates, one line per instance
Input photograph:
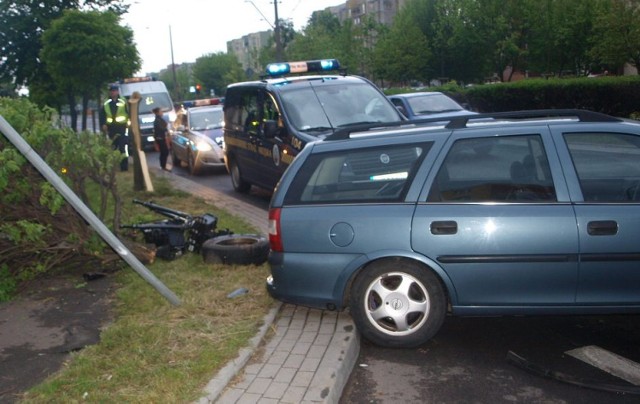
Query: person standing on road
(161, 134)
(114, 121)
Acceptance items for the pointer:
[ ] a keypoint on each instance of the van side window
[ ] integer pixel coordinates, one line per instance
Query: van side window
(495, 169)
(241, 111)
(249, 113)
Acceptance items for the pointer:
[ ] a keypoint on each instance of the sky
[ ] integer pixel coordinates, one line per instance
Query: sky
(199, 27)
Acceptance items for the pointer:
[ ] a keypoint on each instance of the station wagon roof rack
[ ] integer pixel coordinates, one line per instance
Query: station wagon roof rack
(461, 121)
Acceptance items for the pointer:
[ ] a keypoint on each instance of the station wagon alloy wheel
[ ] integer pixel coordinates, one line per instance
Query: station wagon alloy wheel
(397, 304)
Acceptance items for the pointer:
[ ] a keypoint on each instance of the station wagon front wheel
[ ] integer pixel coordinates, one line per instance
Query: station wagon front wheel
(397, 303)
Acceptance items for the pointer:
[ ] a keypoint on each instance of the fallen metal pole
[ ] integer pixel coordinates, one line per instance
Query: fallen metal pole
(88, 215)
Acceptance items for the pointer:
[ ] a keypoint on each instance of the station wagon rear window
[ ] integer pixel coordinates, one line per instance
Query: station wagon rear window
(607, 165)
(380, 174)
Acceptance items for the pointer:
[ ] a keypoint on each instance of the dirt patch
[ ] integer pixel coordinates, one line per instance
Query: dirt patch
(50, 318)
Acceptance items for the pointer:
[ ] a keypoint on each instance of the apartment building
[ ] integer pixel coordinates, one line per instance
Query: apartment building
(247, 48)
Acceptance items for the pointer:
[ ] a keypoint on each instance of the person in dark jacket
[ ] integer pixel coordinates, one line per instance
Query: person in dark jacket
(161, 134)
(114, 121)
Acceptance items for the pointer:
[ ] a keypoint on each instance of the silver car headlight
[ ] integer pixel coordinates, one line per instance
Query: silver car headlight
(203, 146)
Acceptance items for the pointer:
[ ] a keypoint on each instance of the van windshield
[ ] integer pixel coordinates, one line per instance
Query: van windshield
(152, 100)
(317, 107)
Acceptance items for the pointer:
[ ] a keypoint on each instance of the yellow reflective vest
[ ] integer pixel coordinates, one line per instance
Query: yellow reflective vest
(121, 116)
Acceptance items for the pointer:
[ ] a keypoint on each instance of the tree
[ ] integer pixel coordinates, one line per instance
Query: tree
(23, 22)
(318, 40)
(216, 71)
(562, 32)
(618, 39)
(81, 59)
(180, 90)
(403, 53)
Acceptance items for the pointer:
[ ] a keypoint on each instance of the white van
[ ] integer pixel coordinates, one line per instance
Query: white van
(153, 94)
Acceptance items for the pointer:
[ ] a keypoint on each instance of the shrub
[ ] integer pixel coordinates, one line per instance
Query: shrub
(39, 230)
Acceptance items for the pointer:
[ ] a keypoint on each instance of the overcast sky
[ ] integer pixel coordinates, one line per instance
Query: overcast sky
(200, 27)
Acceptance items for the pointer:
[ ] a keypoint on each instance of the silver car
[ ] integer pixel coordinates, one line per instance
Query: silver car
(197, 139)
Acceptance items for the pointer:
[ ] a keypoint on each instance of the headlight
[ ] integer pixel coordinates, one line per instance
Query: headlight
(203, 147)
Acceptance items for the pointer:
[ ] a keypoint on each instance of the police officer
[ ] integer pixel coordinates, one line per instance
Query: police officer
(114, 120)
(161, 134)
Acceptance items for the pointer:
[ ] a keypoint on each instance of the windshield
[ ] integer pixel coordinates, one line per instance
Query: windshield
(321, 106)
(152, 100)
(210, 118)
(433, 103)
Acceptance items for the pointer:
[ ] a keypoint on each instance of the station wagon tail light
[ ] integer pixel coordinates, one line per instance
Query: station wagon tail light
(275, 237)
(324, 65)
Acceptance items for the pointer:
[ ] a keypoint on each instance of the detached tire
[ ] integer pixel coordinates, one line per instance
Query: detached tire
(239, 249)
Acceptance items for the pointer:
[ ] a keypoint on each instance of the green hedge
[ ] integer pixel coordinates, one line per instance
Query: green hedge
(617, 96)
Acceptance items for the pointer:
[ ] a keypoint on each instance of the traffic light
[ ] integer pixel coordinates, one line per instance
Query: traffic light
(198, 88)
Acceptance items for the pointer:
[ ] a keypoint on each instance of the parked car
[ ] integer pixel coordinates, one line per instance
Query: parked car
(431, 104)
(516, 213)
(268, 122)
(197, 138)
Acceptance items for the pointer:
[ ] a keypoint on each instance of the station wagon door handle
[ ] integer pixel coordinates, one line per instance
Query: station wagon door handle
(602, 228)
(444, 227)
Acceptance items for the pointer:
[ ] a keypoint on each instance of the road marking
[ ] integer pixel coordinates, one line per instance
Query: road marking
(609, 362)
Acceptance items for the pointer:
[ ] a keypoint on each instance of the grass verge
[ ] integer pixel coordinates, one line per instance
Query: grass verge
(154, 351)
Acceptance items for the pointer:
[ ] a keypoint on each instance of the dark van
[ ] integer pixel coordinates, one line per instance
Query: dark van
(268, 122)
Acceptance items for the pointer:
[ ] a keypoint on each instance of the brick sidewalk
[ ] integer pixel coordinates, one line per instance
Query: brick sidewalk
(307, 354)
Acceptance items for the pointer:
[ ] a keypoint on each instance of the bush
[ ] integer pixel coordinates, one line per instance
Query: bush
(617, 96)
(39, 230)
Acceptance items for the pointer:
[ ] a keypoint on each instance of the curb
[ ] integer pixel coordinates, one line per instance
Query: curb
(310, 355)
(216, 386)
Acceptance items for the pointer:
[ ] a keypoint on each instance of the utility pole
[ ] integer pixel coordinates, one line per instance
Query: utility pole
(276, 29)
(176, 86)
(276, 33)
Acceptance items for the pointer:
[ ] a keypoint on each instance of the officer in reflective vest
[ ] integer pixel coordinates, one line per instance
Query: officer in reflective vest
(115, 121)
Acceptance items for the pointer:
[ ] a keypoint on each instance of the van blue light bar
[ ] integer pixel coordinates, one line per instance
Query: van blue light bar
(279, 69)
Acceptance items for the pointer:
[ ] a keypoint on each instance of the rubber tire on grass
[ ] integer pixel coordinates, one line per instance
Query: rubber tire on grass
(239, 249)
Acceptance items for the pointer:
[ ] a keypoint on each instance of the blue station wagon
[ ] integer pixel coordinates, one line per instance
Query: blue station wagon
(522, 213)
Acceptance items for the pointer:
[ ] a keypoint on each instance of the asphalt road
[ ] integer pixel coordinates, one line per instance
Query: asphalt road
(467, 361)
(220, 181)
